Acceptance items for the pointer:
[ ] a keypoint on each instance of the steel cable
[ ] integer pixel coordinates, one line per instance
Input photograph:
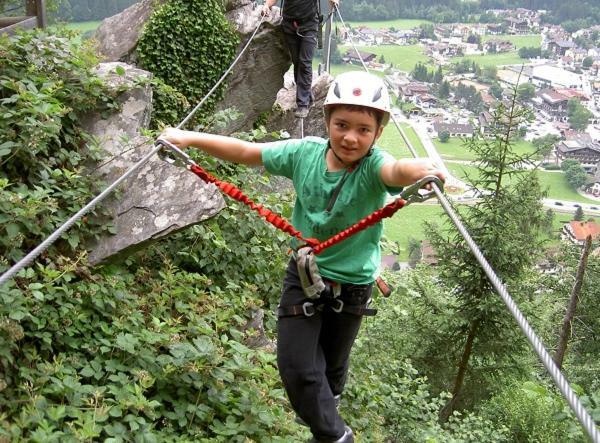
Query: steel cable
(31, 256)
(559, 379)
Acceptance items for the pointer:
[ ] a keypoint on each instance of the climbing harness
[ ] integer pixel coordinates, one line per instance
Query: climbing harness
(561, 382)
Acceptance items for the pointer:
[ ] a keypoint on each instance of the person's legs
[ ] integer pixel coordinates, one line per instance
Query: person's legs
(302, 364)
(338, 334)
(301, 40)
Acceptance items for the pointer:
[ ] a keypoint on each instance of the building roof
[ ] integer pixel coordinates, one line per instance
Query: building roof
(581, 137)
(581, 229)
(453, 128)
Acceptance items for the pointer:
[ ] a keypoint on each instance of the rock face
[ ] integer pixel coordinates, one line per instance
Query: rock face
(159, 198)
(258, 76)
(117, 36)
(283, 114)
(254, 81)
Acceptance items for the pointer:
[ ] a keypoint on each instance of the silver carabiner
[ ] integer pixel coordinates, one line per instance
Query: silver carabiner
(412, 194)
(173, 155)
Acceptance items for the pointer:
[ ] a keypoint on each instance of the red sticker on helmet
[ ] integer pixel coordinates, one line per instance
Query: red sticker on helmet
(357, 92)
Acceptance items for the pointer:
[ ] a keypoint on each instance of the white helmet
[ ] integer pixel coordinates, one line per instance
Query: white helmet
(359, 88)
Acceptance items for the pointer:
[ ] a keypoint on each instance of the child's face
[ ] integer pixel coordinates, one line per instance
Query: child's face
(352, 133)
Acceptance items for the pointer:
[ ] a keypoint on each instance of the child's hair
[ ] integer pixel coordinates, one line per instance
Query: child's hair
(357, 108)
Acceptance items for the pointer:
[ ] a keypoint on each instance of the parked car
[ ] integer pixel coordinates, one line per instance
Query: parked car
(558, 203)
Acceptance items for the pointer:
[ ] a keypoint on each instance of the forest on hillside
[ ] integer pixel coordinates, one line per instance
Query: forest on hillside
(573, 15)
(581, 12)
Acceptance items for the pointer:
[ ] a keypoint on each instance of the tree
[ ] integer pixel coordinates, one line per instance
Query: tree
(579, 215)
(438, 76)
(530, 52)
(544, 145)
(525, 92)
(444, 136)
(488, 73)
(474, 39)
(579, 116)
(566, 328)
(444, 91)
(504, 223)
(574, 172)
(496, 90)
(587, 62)
(382, 59)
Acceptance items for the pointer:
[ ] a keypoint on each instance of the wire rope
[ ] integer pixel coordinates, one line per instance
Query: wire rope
(582, 414)
(31, 256)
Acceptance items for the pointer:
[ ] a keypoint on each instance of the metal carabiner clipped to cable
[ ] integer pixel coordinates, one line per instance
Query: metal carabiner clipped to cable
(173, 155)
(412, 194)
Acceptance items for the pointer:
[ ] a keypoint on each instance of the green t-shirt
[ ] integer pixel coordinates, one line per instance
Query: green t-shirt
(356, 259)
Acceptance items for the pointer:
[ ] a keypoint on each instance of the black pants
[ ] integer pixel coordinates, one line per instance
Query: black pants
(313, 355)
(301, 40)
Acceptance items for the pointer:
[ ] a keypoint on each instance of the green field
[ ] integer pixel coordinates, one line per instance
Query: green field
(392, 142)
(455, 149)
(505, 58)
(533, 40)
(396, 24)
(84, 26)
(408, 222)
(402, 57)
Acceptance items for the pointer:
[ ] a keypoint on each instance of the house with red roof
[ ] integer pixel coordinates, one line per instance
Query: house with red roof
(578, 231)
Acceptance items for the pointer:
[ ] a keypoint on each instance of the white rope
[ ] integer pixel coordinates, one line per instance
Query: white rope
(582, 414)
(29, 258)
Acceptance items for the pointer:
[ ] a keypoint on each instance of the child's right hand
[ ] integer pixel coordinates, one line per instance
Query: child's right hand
(176, 137)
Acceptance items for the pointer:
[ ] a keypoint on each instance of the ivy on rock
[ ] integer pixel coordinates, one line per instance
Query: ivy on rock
(189, 44)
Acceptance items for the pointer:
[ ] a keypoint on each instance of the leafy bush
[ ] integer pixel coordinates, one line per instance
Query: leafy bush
(46, 83)
(136, 351)
(189, 45)
(533, 413)
(169, 106)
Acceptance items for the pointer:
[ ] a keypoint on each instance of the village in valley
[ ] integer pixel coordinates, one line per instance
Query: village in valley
(462, 72)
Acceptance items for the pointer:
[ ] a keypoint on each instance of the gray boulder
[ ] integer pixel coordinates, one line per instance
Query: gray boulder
(285, 104)
(117, 36)
(258, 76)
(253, 83)
(159, 198)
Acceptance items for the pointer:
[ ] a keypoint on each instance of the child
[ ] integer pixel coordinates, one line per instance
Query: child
(337, 183)
(300, 26)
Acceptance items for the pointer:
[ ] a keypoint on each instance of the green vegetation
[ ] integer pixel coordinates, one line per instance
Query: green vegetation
(409, 223)
(392, 141)
(455, 149)
(402, 57)
(396, 24)
(176, 42)
(520, 41)
(153, 347)
(84, 27)
(504, 58)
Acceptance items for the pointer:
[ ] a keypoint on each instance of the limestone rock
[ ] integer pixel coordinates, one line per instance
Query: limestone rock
(157, 199)
(258, 76)
(283, 116)
(117, 36)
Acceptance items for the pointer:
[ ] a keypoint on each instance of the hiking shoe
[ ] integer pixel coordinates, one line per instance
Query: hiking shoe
(301, 112)
(348, 437)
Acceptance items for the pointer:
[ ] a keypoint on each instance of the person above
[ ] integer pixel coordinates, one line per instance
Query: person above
(300, 24)
(337, 182)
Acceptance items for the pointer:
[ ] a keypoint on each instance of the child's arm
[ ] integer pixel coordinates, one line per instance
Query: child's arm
(405, 172)
(225, 148)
